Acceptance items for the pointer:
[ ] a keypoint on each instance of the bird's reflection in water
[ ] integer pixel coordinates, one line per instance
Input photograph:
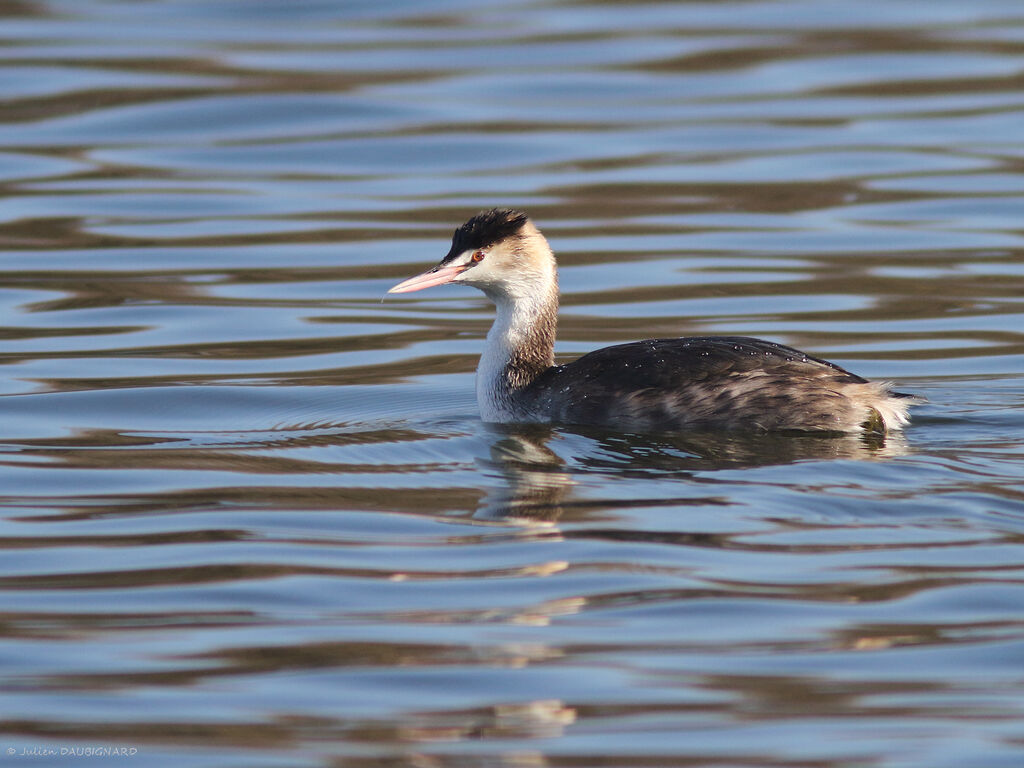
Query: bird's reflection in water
(542, 464)
(538, 482)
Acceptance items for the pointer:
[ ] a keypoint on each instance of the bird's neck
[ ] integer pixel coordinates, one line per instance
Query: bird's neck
(520, 347)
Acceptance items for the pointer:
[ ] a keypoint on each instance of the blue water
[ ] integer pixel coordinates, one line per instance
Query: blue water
(249, 515)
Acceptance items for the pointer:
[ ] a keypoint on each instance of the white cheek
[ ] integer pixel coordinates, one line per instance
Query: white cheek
(482, 271)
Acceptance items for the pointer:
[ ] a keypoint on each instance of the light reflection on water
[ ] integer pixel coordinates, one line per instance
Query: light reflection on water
(250, 515)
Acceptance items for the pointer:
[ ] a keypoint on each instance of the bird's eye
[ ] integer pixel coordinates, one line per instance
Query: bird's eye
(478, 257)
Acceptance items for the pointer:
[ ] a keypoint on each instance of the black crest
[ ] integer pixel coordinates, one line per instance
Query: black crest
(486, 228)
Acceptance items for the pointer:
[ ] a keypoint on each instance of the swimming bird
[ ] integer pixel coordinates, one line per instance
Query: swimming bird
(691, 383)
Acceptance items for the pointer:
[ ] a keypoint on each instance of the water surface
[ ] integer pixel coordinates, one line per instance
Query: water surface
(248, 512)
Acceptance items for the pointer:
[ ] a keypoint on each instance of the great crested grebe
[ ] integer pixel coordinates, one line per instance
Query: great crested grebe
(701, 382)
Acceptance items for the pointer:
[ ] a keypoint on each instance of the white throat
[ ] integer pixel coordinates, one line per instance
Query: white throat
(519, 347)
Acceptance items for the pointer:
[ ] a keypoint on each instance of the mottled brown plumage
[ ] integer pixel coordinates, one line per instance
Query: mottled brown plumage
(716, 382)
